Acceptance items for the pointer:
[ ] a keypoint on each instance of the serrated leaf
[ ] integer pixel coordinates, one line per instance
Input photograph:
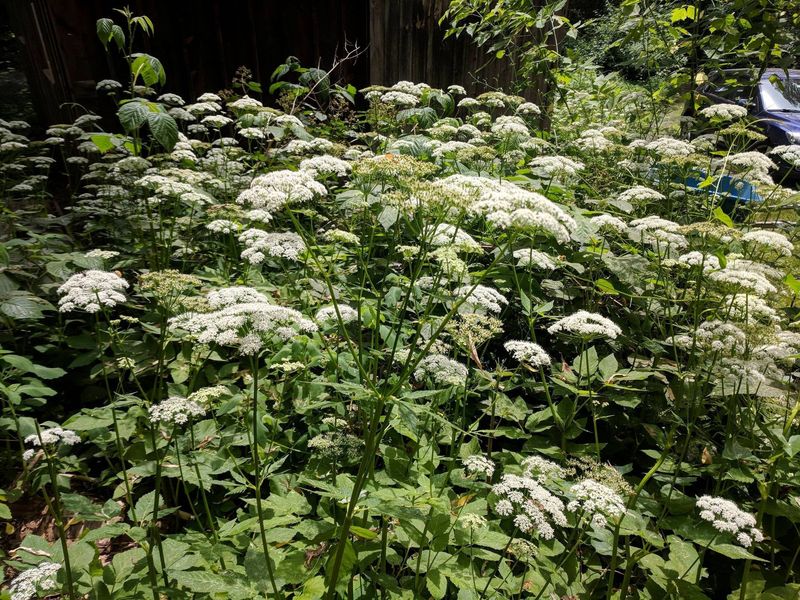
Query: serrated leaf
(164, 129)
(104, 27)
(436, 584)
(132, 115)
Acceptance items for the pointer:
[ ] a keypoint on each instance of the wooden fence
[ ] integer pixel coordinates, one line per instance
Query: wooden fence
(202, 42)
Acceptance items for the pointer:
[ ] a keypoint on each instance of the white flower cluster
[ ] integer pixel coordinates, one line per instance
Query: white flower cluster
(749, 309)
(479, 298)
(245, 103)
(325, 165)
(244, 319)
(327, 315)
(442, 370)
(506, 205)
(222, 226)
(308, 146)
(175, 410)
(742, 279)
(216, 121)
(726, 517)
(104, 254)
(260, 244)
(533, 507)
(769, 239)
(789, 154)
(528, 108)
(272, 191)
(528, 257)
(553, 165)
(784, 347)
(668, 147)
(91, 290)
(445, 234)
(510, 125)
(477, 463)
(609, 222)
(708, 262)
(40, 578)
(53, 435)
(714, 336)
(640, 194)
(398, 98)
(50, 437)
(752, 161)
(597, 501)
(658, 232)
(586, 324)
(723, 112)
(593, 140)
(528, 353)
(541, 469)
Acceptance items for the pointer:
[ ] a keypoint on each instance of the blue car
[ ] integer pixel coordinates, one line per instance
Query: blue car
(773, 101)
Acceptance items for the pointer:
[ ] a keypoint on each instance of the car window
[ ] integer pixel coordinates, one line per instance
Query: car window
(781, 95)
(737, 94)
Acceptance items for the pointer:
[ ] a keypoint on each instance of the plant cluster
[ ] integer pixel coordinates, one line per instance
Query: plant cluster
(439, 355)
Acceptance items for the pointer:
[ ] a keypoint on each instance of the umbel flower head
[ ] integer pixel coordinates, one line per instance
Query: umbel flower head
(479, 464)
(533, 507)
(441, 369)
(91, 290)
(528, 353)
(244, 319)
(40, 578)
(53, 436)
(726, 517)
(175, 410)
(272, 191)
(585, 324)
(598, 501)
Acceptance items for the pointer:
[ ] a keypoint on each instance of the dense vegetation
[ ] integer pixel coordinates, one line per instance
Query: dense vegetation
(398, 343)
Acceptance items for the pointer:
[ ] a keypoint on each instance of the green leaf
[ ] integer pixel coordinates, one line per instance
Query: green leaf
(164, 129)
(605, 286)
(436, 584)
(735, 552)
(27, 366)
(313, 589)
(132, 115)
(363, 533)
(104, 27)
(792, 446)
(792, 283)
(22, 306)
(722, 217)
(103, 142)
(149, 68)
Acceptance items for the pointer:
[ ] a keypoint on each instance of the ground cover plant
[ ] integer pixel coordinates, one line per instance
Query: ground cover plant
(411, 347)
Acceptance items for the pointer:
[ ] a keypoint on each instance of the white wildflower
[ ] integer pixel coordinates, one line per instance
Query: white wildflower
(528, 353)
(272, 191)
(91, 290)
(327, 315)
(175, 410)
(554, 165)
(609, 222)
(528, 257)
(597, 501)
(723, 112)
(769, 239)
(728, 518)
(478, 298)
(442, 370)
(585, 324)
(31, 582)
(477, 463)
(534, 508)
(261, 244)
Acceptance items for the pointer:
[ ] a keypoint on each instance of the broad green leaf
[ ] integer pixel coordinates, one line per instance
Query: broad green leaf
(27, 366)
(132, 115)
(164, 129)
